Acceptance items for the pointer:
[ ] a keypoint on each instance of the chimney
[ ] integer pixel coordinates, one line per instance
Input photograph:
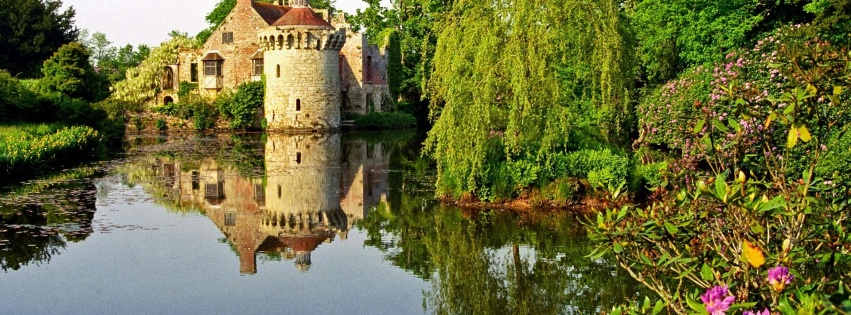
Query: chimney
(244, 2)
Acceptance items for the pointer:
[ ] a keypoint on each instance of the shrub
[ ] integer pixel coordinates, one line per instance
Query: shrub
(375, 120)
(601, 168)
(31, 149)
(241, 107)
(161, 125)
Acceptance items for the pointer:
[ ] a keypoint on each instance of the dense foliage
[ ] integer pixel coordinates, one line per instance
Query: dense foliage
(143, 82)
(759, 209)
(375, 120)
(499, 84)
(24, 151)
(242, 108)
(69, 72)
(30, 31)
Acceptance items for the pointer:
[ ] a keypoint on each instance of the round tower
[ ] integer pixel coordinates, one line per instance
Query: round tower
(302, 67)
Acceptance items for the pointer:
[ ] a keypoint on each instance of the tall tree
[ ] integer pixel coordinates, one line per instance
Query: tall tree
(497, 91)
(30, 31)
(69, 72)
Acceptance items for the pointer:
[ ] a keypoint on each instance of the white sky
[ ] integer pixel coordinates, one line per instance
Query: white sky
(149, 21)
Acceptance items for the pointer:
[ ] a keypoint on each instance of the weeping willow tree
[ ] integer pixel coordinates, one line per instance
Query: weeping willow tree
(513, 77)
(143, 82)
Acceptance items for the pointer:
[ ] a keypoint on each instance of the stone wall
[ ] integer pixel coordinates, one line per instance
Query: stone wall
(363, 75)
(244, 22)
(302, 82)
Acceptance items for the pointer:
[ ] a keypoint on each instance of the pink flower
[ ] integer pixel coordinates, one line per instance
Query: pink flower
(718, 300)
(779, 277)
(763, 312)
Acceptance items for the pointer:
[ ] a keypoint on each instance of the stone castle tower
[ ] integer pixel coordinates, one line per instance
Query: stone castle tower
(302, 67)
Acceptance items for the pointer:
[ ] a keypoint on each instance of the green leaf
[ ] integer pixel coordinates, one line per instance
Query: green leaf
(697, 307)
(837, 90)
(718, 124)
(699, 126)
(721, 187)
(658, 308)
(792, 139)
(736, 126)
(646, 260)
(617, 248)
(671, 228)
(775, 203)
(706, 273)
(622, 213)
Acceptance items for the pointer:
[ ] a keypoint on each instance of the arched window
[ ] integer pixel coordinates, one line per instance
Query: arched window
(278, 71)
(168, 78)
(290, 41)
(298, 157)
(279, 191)
(298, 105)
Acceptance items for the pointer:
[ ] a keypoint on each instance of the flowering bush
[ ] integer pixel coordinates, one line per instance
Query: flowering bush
(755, 226)
(25, 153)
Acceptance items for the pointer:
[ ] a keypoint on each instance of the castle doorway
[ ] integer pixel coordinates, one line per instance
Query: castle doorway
(168, 100)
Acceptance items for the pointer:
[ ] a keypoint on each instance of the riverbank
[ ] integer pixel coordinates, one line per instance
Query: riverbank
(30, 149)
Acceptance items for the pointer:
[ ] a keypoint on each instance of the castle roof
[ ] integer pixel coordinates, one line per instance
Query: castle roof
(303, 16)
(270, 12)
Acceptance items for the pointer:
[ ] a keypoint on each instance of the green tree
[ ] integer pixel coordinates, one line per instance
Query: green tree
(496, 92)
(31, 31)
(69, 72)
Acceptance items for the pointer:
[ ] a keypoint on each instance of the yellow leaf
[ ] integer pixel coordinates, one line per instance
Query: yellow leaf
(753, 254)
(792, 140)
(804, 133)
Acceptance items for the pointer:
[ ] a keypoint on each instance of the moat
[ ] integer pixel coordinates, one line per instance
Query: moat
(294, 224)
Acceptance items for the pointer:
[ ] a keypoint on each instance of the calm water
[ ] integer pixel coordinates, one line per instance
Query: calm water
(257, 224)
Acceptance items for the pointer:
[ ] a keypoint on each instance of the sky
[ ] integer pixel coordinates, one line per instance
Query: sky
(149, 21)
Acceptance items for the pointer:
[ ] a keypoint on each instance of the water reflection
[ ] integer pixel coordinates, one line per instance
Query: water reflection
(39, 218)
(284, 198)
(312, 190)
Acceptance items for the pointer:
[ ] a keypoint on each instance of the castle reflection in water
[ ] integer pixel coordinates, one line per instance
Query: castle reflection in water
(315, 189)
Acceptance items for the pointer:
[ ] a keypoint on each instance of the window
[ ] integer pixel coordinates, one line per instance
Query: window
(168, 78)
(298, 157)
(193, 72)
(213, 68)
(278, 72)
(368, 74)
(230, 219)
(227, 38)
(298, 105)
(258, 67)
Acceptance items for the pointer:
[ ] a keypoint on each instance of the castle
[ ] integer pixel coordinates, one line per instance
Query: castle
(316, 68)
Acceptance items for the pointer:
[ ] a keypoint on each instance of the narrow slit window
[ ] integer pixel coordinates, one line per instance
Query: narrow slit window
(298, 105)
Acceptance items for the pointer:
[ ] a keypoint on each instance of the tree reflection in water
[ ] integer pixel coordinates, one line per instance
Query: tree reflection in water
(489, 262)
(38, 218)
(282, 196)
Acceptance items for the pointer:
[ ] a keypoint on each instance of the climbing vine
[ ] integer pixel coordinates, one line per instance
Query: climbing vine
(143, 82)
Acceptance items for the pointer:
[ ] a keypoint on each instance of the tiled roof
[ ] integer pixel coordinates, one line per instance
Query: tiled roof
(303, 17)
(270, 12)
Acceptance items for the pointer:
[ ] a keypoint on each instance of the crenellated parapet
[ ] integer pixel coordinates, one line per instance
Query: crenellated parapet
(285, 38)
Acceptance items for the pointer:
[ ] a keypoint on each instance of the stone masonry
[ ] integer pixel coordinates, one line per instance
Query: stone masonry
(313, 87)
